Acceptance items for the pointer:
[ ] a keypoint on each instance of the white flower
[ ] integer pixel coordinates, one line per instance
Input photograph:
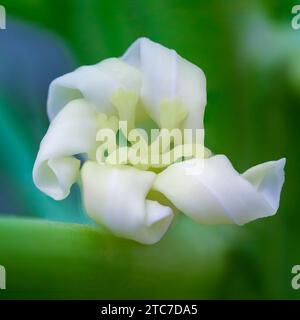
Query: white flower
(148, 82)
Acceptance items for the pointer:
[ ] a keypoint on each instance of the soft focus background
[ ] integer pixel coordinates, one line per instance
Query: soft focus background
(251, 58)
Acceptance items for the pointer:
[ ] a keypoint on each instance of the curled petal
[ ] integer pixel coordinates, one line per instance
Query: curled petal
(268, 178)
(211, 191)
(116, 198)
(97, 84)
(169, 82)
(72, 132)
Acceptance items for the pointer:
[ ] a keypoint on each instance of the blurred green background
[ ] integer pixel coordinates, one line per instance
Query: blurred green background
(251, 58)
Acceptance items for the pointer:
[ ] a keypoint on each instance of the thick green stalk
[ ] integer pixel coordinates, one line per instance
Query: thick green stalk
(56, 260)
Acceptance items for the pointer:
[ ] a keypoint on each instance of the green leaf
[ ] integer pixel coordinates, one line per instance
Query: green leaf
(55, 260)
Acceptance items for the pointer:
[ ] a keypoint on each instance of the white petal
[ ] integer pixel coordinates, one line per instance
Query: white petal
(116, 198)
(73, 131)
(268, 178)
(168, 79)
(96, 84)
(211, 191)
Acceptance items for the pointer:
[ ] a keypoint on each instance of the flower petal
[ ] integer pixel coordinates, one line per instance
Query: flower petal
(116, 198)
(268, 178)
(73, 131)
(211, 191)
(169, 81)
(97, 84)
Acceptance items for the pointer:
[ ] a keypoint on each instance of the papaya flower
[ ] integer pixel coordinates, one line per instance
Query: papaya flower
(100, 119)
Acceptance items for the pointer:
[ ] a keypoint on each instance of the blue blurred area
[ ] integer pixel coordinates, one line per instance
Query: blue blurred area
(30, 59)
